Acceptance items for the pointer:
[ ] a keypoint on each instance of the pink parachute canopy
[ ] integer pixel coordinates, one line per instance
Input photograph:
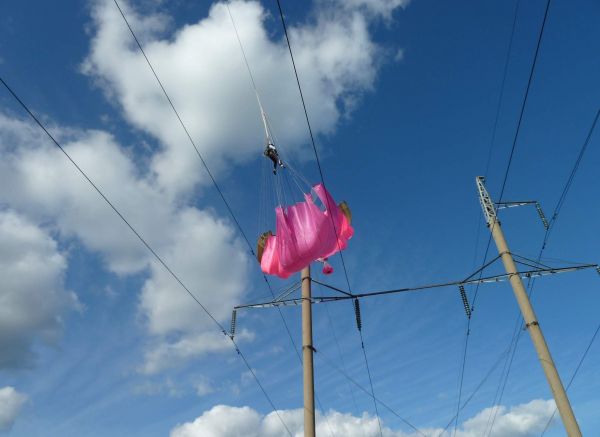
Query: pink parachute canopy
(305, 233)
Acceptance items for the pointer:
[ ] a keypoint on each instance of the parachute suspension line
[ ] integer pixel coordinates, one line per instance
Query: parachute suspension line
(270, 149)
(328, 206)
(266, 124)
(237, 35)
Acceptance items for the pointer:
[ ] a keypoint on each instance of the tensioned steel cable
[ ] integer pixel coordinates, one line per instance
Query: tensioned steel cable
(587, 349)
(557, 209)
(263, 115)
(148, 247)
(334, 366)
(191, 140)
(525, 98)
(481, 384)
(489, 158)
(212, 178)
(314, 146)
(162, 87)
(495, 128)
(522, 111)
(559, 206)
(567, 187)
(519, 122)
(340, 355)
(462, 373)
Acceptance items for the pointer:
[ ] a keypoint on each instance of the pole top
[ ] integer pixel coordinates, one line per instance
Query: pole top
(489, 209)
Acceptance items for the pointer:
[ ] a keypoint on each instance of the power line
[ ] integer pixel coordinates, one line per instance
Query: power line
(511, 155)
(212, 178)
(353, 381)
(495, 128)
(557, 209)
(312, 138)
(567, 187)
(522, 111)
(502, 86)
(481, 384)
(339, 351)
(489, 158)
(462, 374)
(488, 279)
(147, 245)
(314, 146)
(255, 88)
(191, 140)
(587, 349)
(524, 104)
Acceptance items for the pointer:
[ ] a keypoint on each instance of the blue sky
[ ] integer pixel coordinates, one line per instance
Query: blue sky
(403, 98)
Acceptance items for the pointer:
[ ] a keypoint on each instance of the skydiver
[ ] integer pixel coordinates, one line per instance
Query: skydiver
(273, 155)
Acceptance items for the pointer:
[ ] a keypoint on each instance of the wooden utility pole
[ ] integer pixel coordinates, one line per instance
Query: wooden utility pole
(307, 355)
(531, 322)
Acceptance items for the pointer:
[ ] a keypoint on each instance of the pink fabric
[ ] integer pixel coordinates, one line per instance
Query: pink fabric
(304, 233)
(327, 269)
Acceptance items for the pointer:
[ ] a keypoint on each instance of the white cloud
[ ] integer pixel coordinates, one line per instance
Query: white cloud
(204, 387)
(37, 180)
(201, 66)
(202, 69)
(11, 402)
(33, 298)
(519, 421)
(179, 347)
(219, 268)
(154, 388)
(376, 8)
(224, 421)
(399, 56)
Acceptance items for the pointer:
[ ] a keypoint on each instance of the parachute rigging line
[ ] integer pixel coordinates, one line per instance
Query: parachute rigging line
(237, 35)
(270, 149)
(272, 153)
(328, 206)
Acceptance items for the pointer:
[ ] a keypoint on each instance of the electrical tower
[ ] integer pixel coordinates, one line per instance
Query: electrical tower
(531, 322)
(512, 275)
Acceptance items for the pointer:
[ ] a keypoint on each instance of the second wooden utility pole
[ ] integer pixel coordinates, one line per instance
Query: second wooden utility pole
(531, 322)
(307, 355)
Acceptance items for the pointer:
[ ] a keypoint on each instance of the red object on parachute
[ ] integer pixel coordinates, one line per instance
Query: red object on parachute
(305, 233)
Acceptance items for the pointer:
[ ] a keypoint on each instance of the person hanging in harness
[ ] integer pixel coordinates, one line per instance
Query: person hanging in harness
(273, 155)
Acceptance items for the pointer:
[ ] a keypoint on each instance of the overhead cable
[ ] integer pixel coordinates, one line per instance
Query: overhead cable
(330, 362)
(489, 158)
(517, 332)
(587, 349)
(147, 246)
(269, 139)
(312, 139)
(512, 151)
